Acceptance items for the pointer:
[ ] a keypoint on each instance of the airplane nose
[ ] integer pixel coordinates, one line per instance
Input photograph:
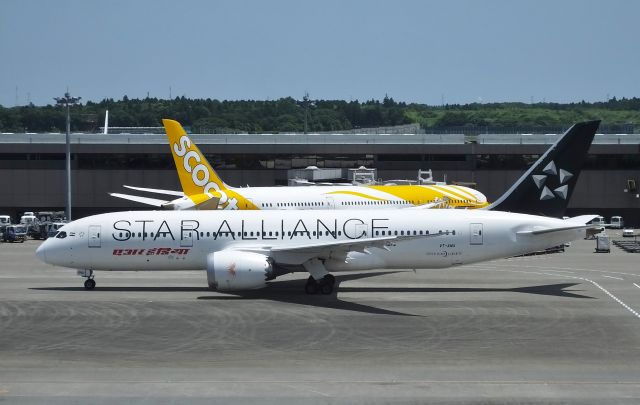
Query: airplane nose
(41, 252)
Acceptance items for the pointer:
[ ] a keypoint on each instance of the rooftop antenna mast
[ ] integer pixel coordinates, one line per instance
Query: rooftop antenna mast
(306, 103)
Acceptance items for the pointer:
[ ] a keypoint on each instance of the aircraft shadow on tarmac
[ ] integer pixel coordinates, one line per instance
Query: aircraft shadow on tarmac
(292, 291)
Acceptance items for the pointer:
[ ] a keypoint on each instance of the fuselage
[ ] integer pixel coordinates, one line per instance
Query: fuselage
(350, 197)
(182, 240)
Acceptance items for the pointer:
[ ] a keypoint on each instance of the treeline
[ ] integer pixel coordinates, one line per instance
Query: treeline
(288, 115)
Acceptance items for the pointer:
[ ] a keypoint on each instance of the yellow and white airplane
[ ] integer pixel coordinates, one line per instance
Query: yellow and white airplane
(203, 189)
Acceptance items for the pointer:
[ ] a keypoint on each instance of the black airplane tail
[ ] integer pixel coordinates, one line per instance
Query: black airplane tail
(545, 189)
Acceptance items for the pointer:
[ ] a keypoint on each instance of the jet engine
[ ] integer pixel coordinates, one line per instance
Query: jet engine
(230, 270)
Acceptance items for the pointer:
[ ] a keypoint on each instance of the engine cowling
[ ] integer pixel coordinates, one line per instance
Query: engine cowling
(230, 270)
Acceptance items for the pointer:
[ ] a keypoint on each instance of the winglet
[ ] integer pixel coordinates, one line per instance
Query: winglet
(545, 189)
(195, 173)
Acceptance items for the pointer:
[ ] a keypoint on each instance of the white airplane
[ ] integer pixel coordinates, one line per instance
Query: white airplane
(204, 190)
(243, 250)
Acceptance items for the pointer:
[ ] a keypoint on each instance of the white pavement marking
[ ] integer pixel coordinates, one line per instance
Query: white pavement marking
(616, 299)
(617, 278)
(636, 285)
(573, 268)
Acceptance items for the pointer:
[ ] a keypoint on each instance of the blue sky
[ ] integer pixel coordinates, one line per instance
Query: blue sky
(459, 51)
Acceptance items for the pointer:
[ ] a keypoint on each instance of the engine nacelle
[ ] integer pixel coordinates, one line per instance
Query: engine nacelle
(229, 270)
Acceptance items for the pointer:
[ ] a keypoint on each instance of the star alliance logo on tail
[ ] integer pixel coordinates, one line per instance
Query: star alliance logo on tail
(541, 179)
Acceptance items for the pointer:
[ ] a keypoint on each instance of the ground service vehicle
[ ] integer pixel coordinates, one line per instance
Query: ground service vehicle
(616, 222)
(14, 233)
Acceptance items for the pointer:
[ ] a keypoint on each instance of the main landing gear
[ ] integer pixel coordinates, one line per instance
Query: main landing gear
(89, 283)
(324, 285)
(320, 280)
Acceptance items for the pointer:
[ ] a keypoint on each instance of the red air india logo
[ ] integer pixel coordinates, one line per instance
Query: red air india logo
(164, 251)
(232, 269)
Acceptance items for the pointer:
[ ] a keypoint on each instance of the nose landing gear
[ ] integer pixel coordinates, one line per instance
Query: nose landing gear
(89, 283)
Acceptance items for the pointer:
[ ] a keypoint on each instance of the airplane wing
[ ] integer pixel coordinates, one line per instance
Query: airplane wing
(444, 203)
(143, 200)
(298, 254)
(156, 191)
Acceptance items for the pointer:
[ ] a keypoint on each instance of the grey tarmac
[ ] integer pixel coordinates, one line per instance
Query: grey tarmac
(548, 329)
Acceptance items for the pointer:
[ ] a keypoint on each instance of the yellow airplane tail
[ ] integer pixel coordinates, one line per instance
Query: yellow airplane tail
(200, 183)
(195, 173)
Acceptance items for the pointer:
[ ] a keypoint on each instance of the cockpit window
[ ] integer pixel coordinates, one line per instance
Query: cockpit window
(61, 235)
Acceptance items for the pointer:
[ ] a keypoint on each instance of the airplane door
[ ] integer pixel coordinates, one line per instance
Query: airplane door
(362, 231)
(187, 238)
(331, 204)
(94, 236)
(475, 234)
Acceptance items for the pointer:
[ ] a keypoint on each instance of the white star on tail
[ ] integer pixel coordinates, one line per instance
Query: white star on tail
(563, 176)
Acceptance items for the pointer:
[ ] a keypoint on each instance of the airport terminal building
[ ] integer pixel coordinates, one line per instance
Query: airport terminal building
(32, 166)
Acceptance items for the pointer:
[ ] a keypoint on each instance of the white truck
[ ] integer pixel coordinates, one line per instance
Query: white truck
(616, 222)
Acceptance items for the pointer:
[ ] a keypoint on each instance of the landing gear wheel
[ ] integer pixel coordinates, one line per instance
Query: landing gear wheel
(90, 284)
(329, 279)
(327, 283)
(326, 288)
(311, 287)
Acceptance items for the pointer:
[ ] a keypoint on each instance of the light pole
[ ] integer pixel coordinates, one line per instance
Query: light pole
(67, 101)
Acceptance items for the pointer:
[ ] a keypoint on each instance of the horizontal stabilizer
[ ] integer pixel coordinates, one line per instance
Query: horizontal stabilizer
(553, 230)
(156, 191)
(573, 224)
(582, 219)
(143, 200)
